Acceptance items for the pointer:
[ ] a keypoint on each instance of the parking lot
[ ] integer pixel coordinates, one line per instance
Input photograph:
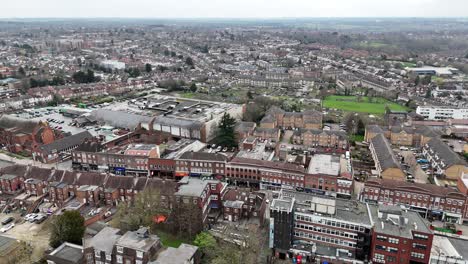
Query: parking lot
(36, 235)
(412, 167)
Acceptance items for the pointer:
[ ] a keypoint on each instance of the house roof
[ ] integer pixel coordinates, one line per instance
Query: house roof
(203, 156)
(384, 152)
(181, 255)
(17, 124)
(447, 155)
(104, 240)
(429, 189)
(65, 143)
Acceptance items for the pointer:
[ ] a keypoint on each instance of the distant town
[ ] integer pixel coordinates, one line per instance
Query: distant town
(174, 142)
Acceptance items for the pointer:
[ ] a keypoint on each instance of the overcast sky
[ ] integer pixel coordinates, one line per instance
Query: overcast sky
(233, 8)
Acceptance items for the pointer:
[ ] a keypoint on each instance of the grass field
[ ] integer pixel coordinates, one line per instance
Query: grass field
(169, 240)
(350, 104)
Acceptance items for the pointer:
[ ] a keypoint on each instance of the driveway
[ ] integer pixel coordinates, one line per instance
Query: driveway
(420, 176)
(287, 136)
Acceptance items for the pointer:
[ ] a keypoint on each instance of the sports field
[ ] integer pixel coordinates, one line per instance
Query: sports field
(350, 104)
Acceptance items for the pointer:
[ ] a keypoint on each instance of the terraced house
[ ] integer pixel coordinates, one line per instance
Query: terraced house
(385, 160)
(444, 161)
(320, 138)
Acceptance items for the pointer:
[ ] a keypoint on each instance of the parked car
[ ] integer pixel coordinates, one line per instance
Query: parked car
(29, 216)
(7, 227)
(34, 218)
(41, 218)
(7, 220)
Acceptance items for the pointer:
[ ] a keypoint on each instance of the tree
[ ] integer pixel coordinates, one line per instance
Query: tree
(21, 71)
(205, 241)
(56, 100)
(426, 80)
(173, 54)
(133, 72)
(205, 49)
(223, 51)
(193, 87)
(250, 95)
(226, 134)
(189, 61)
(148, 68)
(428, 93)
(417, 80)
(68, 227)
(141, 210)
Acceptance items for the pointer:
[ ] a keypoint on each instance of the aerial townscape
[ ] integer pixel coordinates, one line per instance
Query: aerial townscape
(233, 141)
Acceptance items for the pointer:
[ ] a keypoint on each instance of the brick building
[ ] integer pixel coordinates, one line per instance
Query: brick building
(243, 204)
(24, 136)
(400, 236)
(386, 163)
(278, 118)
(320, 138)
(431, 201)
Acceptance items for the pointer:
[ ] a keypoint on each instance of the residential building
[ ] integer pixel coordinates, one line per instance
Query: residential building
(67, 253)
(243, 204)
(400, 236)
(136, 247)
(320, 138)
(185, 253)
(60, 149)
(444, 161)
(278, 118)
(205, 196)
(386, 163)
(431, 201)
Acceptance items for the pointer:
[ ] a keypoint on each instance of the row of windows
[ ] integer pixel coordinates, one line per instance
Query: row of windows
(333, 223)
(325, 239)
(326, 231)
(389, 239)
(385, 248)
(417, 255)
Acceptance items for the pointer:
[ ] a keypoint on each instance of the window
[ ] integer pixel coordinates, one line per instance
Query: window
(119, 249)
(119, 259)
(138, 262)
(421, 237)
(139, 254)
(393, 240)
(97, 254)
(417, 255)
(108, 257)
(381, 238)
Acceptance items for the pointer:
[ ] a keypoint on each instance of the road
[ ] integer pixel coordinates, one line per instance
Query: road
(6, 160)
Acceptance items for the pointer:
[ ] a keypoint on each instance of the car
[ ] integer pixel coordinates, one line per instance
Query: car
(33, 219)
(29, 216)
(7, 220)
(7, 227)
(41, 218)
